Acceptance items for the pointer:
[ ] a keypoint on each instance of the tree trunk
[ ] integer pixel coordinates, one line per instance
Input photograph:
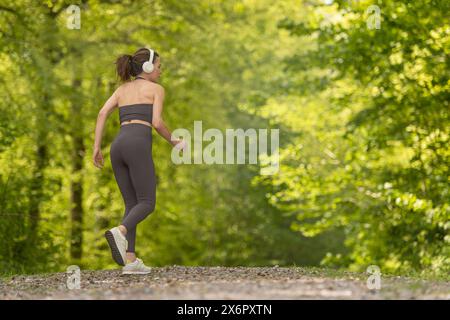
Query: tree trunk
(37, 181)
(76, 243)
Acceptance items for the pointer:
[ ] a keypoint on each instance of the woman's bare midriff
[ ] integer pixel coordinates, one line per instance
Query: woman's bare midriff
(136, 121)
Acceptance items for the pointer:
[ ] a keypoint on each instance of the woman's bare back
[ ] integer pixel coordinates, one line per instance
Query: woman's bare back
(136, 92)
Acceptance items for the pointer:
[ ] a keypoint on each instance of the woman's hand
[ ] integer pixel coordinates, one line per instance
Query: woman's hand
(179, 144)
(97, 158)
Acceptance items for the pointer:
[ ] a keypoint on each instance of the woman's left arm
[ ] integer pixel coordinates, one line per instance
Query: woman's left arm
(103, 114)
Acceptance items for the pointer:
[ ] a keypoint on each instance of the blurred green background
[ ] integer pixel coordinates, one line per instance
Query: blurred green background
(363, 114)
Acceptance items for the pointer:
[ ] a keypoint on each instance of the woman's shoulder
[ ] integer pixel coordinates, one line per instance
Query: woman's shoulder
(121, 87)
(156, 87)
(159, 87)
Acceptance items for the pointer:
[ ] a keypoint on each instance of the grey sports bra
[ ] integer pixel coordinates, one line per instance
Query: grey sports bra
(139, 111)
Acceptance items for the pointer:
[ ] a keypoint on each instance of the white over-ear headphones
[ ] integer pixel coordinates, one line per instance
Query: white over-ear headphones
(148, 65)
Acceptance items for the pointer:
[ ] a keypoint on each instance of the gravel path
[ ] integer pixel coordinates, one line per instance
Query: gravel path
(178, 282)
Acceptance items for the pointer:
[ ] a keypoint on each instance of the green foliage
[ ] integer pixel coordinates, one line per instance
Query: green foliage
(371, 153)
(363, 117)
(54, 81)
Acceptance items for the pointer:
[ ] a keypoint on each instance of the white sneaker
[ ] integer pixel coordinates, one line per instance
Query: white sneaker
(136, 267)
(118, 244)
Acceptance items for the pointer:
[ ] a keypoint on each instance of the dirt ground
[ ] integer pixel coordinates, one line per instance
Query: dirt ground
(179, 282)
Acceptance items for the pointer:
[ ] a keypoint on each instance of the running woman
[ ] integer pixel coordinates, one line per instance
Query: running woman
(140, 102)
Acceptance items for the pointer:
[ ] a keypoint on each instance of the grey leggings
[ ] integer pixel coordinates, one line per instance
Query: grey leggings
(132, 163)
